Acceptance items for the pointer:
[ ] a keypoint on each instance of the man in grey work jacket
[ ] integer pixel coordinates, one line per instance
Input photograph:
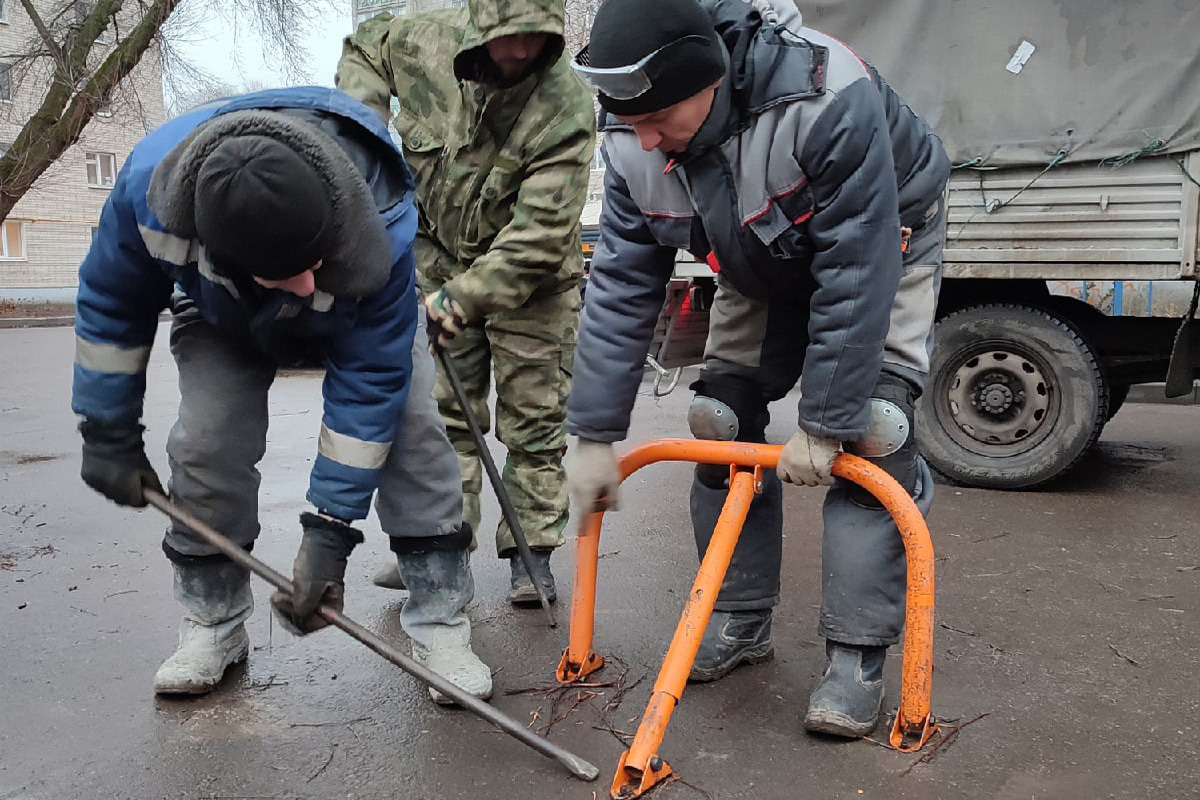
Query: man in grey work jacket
(277, 226)
(731, 131)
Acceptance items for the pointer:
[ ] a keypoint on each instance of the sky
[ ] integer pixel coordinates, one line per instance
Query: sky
(236, 58)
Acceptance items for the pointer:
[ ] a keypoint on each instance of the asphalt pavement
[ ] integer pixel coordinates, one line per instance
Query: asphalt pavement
(1066, 651)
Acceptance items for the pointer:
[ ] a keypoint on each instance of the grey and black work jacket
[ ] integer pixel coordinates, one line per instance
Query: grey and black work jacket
(798, 183)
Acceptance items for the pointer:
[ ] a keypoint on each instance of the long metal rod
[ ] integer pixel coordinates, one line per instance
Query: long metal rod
(574, 764)
(489, 465)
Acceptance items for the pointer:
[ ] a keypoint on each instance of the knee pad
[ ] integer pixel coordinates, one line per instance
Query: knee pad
(709, 418)
(890, 441)
(741, 397)
(888, 430)
(727, 409)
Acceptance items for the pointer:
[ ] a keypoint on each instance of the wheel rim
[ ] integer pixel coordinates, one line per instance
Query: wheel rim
(997, 400)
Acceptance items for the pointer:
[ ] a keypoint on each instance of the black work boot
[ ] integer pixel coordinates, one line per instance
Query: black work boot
(521, 591)
(733, 638)
(846, 701)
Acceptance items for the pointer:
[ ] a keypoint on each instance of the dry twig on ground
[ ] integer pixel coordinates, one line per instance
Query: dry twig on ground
(565, 699)
(332, 722)
(946, 737)
(332, 750)
(1122, 655)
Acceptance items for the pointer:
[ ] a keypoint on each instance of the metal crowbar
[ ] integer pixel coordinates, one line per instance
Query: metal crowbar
(489, 465)
(575, 765)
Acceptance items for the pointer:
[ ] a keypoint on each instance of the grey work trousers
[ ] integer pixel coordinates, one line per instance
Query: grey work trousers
(863, 565)
(755, 355)
(220, 436)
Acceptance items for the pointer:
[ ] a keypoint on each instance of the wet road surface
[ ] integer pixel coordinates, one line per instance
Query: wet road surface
(1067, 630)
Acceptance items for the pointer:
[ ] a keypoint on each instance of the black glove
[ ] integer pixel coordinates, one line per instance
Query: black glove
(115, 463)
(318, 573)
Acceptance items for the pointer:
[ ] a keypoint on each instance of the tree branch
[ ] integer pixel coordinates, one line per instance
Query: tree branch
(91, 29)
(42, 30)
(74, 76)
(60, 120)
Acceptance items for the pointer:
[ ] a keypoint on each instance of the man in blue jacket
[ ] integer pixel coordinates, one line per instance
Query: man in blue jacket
(276, 226)
(734, 132)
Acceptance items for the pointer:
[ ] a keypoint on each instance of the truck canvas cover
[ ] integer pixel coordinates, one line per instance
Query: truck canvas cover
(1017, 82)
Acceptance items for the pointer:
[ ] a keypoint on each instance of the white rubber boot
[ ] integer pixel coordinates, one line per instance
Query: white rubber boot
(213, 633)
(440, 585)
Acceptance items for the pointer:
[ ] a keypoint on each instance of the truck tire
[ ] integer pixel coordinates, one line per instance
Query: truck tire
(1117, 393)
(1015, 397)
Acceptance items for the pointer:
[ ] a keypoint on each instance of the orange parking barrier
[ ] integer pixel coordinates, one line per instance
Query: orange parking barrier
(641, 767)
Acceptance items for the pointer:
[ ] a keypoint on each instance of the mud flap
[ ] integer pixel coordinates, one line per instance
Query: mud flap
(1180, 376)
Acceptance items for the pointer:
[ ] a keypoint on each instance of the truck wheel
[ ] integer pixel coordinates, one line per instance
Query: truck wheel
(1015, 397)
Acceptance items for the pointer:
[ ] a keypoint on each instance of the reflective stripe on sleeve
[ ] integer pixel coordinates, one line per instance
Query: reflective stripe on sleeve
(111, 358)
(168, 247)
(352, 452)
(180, 251)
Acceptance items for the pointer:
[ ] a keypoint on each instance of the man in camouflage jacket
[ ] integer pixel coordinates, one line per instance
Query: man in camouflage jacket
(500, 135)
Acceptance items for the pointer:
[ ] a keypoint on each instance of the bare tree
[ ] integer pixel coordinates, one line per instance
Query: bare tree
(84, 50)
(198, 92)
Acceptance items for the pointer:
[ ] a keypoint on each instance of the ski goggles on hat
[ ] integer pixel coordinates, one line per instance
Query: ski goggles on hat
(626, 83)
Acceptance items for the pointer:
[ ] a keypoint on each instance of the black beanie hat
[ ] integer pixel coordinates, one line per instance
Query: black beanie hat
(626, 31)
(261, 208)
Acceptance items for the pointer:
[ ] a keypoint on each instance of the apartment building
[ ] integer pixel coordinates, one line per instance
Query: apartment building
(365, 9)
(49, 231)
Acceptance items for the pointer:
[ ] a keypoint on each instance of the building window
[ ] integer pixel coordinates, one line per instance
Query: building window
(5, 83)
(3, 11)
(82, 9)
(101, 169)
(12, 240)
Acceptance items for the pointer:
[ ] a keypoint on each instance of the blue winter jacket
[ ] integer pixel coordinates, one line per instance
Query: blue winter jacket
(136, 262)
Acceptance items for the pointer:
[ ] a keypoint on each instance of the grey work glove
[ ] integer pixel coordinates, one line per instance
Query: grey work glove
(115, 463)
(807, 459)
(593, 476)
(318, 573)
(444, 318)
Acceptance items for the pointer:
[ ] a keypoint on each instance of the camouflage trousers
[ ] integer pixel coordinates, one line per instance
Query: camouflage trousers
(530, 350)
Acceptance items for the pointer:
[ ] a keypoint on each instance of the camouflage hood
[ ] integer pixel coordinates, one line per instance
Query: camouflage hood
(491, 19)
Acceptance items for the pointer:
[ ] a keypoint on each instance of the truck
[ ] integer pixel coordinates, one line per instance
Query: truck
(1073, 218)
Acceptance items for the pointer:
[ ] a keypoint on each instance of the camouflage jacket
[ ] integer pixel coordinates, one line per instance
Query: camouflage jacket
(502, 171)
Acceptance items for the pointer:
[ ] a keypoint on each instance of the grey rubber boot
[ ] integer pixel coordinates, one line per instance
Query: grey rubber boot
(213, 634)
(522, 591)
(440, 585)
(388, 577)
(731, 639)
(847, 699)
